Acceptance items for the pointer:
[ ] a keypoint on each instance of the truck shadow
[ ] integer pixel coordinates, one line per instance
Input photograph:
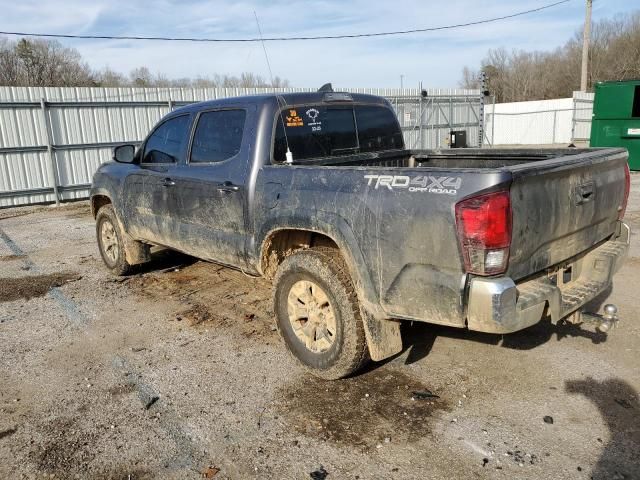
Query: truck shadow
(619, 406)
(420, 337)
(164, 259)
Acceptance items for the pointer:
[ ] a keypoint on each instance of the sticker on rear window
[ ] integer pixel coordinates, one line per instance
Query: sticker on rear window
(315, 125)
(293, 120)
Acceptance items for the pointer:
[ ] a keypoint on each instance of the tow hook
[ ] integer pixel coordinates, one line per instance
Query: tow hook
(604, 322)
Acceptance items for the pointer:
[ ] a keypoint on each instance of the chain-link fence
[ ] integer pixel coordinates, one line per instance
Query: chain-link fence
(428, 120)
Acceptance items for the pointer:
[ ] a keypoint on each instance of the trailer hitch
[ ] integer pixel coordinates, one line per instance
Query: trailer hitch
(603, 323)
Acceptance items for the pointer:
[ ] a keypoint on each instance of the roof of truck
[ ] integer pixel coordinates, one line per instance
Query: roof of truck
(285, 99)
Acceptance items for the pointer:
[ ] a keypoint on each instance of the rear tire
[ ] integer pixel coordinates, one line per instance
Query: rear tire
(110, 241)
(318, 313)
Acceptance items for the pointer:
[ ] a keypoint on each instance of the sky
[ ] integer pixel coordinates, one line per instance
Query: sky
(435, 58)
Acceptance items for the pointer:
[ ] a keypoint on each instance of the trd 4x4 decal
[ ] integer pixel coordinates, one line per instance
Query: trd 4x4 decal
(420, 183)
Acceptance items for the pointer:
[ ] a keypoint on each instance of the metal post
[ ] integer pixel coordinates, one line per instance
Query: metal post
(450, 122)
(573, 120)
(493, 120)
(585, 47)
(420, 112)
(170, 105)
(553, 138)
(483, 88)
(52, 155)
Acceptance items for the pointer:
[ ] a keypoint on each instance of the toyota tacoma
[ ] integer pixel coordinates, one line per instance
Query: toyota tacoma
(318, 192)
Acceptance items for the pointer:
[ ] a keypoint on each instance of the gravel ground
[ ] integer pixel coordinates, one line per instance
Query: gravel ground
(177, 372)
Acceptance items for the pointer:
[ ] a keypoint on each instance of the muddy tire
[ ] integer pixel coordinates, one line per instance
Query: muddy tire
(110, 241)
(318, 314)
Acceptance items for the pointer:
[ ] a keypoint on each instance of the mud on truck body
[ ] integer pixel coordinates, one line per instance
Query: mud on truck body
(317, 192)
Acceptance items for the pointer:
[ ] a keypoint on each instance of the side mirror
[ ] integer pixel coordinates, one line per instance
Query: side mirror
(124, 153)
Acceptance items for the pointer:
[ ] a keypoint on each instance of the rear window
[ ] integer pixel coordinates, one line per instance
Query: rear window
(378, 129)
(319, 131)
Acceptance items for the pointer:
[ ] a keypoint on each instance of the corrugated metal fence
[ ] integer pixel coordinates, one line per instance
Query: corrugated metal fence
(53, 139)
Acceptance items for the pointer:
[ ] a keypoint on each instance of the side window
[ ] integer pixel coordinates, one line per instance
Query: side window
(218, 136)
(167, 142)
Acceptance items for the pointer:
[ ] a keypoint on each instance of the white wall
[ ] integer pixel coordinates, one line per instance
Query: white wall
(539, 122)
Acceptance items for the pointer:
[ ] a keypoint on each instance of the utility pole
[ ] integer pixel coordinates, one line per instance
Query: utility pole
(585, 47)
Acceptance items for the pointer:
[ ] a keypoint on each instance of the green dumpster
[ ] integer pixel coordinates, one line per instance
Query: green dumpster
(616, 118)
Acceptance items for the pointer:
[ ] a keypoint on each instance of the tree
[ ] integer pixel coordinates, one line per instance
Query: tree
(48, 63)
(519, 75)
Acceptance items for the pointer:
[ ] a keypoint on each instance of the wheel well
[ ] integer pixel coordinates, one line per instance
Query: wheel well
(97, 202)
(282, 243)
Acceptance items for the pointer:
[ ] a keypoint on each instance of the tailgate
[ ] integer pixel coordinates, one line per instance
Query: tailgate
(563, 207)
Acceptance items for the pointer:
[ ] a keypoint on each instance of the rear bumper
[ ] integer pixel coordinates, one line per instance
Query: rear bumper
(498, 305)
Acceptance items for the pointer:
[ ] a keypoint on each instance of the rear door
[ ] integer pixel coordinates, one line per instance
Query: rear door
(563, 207)
(209, 194)
(148, 189)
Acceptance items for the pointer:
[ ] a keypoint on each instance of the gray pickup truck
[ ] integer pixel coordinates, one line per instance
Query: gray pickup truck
(317, 192)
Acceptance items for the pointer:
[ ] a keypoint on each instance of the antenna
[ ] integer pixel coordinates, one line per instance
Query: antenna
(288, 154)
(266, 56)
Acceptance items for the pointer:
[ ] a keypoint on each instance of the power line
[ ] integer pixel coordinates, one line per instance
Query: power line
(284, 39)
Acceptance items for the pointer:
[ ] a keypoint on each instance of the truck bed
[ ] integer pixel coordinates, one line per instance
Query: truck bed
(450, 158)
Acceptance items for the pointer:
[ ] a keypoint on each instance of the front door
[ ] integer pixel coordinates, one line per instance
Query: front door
(147, 189)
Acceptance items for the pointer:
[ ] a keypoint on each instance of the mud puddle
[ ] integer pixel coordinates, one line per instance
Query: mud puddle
(373, 408)
(33, 285)
(212, 295)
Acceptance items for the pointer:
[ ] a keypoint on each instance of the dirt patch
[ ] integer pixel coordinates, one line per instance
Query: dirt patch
(33, 285)
(10, 258)
(79, 212)
(124, 473)
(122, 389)
(212, 295)
(374, 408)
(66, 449)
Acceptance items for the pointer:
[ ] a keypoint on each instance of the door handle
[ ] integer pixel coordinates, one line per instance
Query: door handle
(228, 187)
(167, 182)
(584, 193)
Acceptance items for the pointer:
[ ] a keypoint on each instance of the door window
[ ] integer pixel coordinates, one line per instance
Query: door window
(166, 143)
(218, 136)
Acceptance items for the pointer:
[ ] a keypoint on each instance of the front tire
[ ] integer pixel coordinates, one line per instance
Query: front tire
(110, 242)
(318, 313)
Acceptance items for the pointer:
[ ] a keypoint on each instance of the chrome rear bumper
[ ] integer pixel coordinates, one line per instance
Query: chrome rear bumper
(498, 305)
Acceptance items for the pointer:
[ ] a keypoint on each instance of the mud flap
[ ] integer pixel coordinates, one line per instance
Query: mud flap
(383, 337)
(135, 252)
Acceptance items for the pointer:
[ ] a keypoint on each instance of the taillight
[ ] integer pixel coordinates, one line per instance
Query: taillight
(627, 189)
(484, 232)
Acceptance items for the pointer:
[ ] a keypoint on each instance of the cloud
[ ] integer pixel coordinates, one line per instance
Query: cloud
(435, 58)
